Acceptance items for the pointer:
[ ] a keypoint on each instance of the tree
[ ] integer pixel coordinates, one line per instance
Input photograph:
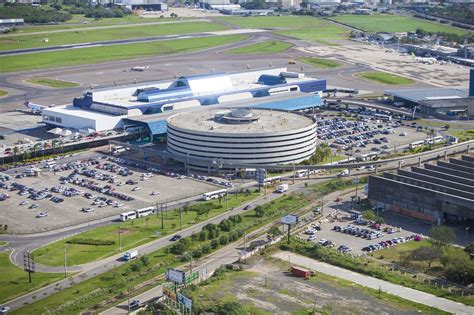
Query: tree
(469, 248)
(203, 235)
(425, 253)
(145, 260)
(16, 150)
(369, 215)
(224, 239)
(441, 236)
(259, 211)
(274, 231)
(180, 247)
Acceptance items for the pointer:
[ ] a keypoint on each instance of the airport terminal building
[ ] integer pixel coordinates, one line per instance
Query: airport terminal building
(108, 109)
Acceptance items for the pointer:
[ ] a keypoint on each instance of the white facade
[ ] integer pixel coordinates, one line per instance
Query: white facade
(272, 137)
(76, 118)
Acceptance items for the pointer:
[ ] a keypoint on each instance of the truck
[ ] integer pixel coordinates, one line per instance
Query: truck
(130, 255)
(300, 272)
(282, 188)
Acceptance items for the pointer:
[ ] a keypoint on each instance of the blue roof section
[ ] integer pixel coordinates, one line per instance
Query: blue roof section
(266, 79)
(157, 127)
(291, 104)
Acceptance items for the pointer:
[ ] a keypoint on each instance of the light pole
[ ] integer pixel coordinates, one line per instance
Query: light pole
(120, 236)
(467, 236)
(65, 261)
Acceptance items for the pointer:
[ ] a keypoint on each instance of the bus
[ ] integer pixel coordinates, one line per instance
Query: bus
(271, 180)
(145, 212)
(383, 117)
(130, 215)
(214, 194)
(416, 144)
(436, 139)
(301, 173)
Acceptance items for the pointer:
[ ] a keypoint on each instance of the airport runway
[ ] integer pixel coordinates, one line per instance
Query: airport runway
(125, 41)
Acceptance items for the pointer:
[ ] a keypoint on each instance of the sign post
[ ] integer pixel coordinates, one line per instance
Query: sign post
(289, 220)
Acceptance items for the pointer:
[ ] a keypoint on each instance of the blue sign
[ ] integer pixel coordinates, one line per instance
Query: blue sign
(187, 302)
(289, 219)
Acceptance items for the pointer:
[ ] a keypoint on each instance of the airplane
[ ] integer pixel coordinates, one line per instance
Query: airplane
(425, 60)
(139, 69)
(35, 109)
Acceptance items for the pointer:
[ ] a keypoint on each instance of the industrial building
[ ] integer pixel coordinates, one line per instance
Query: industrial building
(443, 103)
(147, 5)
(436, 193)
(240, 136)
(108, 109)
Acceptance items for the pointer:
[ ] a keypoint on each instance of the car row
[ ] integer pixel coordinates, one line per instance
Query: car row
(358, 231)
(392, 242)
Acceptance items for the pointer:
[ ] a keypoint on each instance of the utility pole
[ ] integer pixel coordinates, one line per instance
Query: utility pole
(128, 285)
(65, 261)
(162, 218)
(120, 236)
(245, 241)
(180, 218)
(294, 172)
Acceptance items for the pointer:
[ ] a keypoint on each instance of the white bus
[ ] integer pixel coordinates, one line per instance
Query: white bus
(416, 144)
(383, 117)
(301, 173)
(271, 180)
(436, 139)
(145, 212)
(130, 215)
(214, 194)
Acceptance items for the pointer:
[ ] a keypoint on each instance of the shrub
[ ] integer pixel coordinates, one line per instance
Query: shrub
(90, 241)
(224, 239)
(214, 244)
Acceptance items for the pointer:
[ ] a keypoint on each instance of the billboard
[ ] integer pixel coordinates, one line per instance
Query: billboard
(175, 275)
(289, 219)
(187, 302)
(261, 174)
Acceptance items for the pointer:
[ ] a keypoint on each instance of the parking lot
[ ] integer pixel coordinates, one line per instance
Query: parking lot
(78, 191)
(325, 230)
(366, 135)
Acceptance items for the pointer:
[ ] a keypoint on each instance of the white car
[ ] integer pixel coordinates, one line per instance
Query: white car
(42, 214)
(312, 237)
(89, 209)
(322, 241)
(154, 193)
(310, 231)
(4, 310)
(24, 202)
(136, 188)
(118, 205)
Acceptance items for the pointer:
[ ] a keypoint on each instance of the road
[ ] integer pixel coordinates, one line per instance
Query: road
(92, 269)
(366, 281)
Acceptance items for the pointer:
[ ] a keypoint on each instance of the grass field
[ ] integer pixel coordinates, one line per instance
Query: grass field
(462, 135)
(111, 53)
(2, 243)
(78, 19)
(320, 62)
(88, 294)
(52, 83)
(265, 47)
(14, 281)
(385, 78)
(393, 23)
(134, 233)
(89, 36)
(3, 93)
(302, 27)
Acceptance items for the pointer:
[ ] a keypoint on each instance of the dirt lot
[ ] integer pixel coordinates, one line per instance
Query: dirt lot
(266, 288)
(22, 219)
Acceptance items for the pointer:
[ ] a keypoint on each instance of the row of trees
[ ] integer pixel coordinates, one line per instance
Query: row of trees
(457, 265)
(451, 37)
(323, 153)
(213, 233)
(33, 14)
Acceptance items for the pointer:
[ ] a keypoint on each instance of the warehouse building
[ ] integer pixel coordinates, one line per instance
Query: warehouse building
(435, 193)
(240, 136)
(114, 105)
(443, 103)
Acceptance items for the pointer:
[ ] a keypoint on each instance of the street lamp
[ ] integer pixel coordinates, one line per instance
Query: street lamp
(467, 231)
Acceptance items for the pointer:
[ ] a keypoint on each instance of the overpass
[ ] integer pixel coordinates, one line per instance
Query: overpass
(224, 164)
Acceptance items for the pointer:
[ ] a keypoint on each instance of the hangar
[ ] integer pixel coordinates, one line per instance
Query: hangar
(435, 193)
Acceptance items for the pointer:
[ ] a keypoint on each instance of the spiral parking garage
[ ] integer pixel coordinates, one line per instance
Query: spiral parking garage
(240, 136)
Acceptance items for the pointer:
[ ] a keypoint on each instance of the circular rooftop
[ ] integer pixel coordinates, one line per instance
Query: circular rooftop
(240, 121)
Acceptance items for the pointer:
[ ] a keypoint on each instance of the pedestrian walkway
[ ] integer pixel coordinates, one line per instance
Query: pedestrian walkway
(394, 289)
